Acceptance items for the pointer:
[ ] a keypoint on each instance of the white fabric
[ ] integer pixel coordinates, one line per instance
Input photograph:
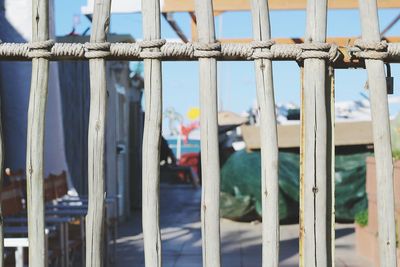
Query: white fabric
(118, 6)
(15, 21)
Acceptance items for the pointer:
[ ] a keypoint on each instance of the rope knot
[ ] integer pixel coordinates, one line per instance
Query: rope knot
(152, 47)
(40, 49)
(97, 50)
(262, 44)
(318, 50)
(261, 49)
(333, 53)
(207, 50)
(370, 49)
(157, 43)
(371, 45)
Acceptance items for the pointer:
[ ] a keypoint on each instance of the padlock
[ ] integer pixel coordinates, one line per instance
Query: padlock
(389, 80)
(389, 85)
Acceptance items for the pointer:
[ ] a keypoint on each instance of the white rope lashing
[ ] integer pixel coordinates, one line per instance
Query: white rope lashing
(97, 50)
(202, 50)
(370, 50)
(157, 49)
(154, 46)
(40, 49)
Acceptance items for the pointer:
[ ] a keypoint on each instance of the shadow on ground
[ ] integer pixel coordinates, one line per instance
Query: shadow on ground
(241, 242)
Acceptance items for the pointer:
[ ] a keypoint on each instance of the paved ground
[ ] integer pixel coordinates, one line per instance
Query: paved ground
(241, 242)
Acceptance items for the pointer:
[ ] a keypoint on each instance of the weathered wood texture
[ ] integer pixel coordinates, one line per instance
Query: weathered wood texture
(301, 174)
(316, 151)
(382, 143)
(269, 139)
(330, 169)
(96, 142)
(316, 141)
(152, 138)
(342, 42)
(35, 138)
(210, 223)
(241, 5)
(352, 133)
(1, 187)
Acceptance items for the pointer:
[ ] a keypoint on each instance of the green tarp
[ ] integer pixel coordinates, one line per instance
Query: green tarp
(395, 133)
(241, 193)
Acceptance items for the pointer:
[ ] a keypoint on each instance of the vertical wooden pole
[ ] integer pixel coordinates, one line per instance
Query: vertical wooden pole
(152, 137)
(269, 139)
(35, 138)
(382, 143)
(96, 143)
(209, 139)
(1, 187)
(301, 176)
(316, 150)
(330, 190)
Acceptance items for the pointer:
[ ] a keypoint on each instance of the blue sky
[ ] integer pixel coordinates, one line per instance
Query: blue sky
(236, 79)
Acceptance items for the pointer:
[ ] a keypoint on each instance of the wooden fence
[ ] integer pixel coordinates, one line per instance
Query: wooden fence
(317, 60)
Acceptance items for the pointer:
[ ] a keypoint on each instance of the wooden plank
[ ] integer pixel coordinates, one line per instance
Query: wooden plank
(35, 138)
(269, 139)
(381, 133)
(193, 26)
(241, 5)
(152, 138)
(346, 134)
(210, 224)
(316, 155)
(96, 144)
(340, 41)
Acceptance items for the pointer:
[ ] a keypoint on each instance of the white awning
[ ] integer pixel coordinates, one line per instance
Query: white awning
(118, 6)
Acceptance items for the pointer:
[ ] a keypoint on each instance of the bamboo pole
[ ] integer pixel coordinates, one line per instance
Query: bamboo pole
(330, 188)
(269, 139)
(382, 142)
(152, 138)
(330, 100)
(301, 176)
(317, 155)
(35, 138)
(1, 187)
(209, 139)
(96, 143)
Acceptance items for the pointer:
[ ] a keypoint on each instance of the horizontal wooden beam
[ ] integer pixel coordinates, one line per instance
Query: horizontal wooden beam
(346, 134)
(240, 5)
(340, 41)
